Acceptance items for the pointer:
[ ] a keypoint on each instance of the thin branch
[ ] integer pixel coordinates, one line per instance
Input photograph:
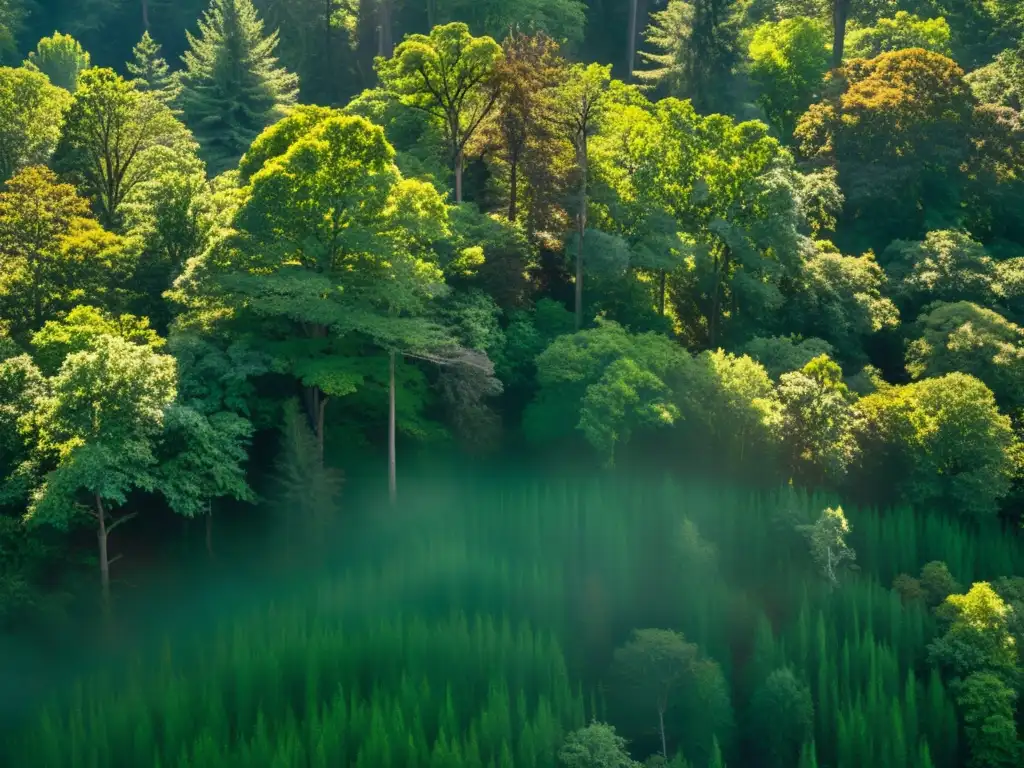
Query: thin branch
(122, 519)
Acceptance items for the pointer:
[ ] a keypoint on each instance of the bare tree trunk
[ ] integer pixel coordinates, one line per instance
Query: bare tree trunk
(459, 160)
(513, 189)
(101, 535)
(386, 45)
(321, 410)
(840, 11)
(661, 728)
(145, 15)
(631, 47)
(392, 468)
(431, 14)
(581, 223)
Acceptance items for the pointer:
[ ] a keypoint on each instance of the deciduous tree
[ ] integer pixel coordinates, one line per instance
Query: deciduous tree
(116, 138)
(61, 58)
(450, 75)
(31, 113)
(99, 423)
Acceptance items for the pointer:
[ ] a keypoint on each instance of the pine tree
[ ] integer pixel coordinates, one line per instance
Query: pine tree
(232, 86)
(151, 72)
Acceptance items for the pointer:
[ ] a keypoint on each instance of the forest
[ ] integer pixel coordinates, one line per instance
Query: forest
(511, 383)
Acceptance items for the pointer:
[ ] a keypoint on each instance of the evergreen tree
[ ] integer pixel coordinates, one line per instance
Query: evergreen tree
(232, 86)
(151, 71)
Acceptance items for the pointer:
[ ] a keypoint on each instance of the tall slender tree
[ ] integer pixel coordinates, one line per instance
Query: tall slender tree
(150, 70)
(232, 85)
(453, 77)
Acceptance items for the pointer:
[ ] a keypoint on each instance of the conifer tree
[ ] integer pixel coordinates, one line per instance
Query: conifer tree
(151, 72)
(232, 86)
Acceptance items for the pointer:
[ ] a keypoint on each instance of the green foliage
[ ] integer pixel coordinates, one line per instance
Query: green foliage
(941, 442)
(55, 255)
(781, 354)
(99, 421)
(694, 44)
(988, 707)
(788, 61)
(904, 30)
(608, 383)
(818, 420)
(948, 265)
(827, 539)
(901, 121)
(596, 746)
(783, 717)
(965, 337)
(116, 138)
(231, 86)
(452, 77)
(61, 58)
(841, 300)
(31, 113)
(563, 20)
(80, 328)
(151, 73)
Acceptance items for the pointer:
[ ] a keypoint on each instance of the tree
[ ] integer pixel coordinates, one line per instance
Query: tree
(735, 196)
(579, 106)
(596, 746)
(965, 337)
(948, 265)
(529, 71)
(22, 385)
(940, 442)
(840, 14)
(61, 58)
(839, 299)
(988, 711)
(657, 664)
(451, 76)
(151, 73)
(904, 30)
(783, 713)
(202, 458)
(781, 354)
(231, 85)
(330, 254)
(900, 122)
(53, 254)
(739, 407)
(99, 423)
(696, 44)
(818, 421)
(31, 113)
(609, 384)
(788, 61)
(977, 637)
(827, 539)
(80, 328)
(117, 138)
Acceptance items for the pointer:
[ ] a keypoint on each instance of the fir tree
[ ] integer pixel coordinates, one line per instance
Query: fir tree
(151, 72)
(232, 86)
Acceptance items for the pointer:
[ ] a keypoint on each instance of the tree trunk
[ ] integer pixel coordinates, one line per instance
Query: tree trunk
(513, 189)
(145, 15)
(631, 47)
(661, 294)
(840, 11)
(431, 14)
(661, 728)
(459, 161)
(315, 405)
(386, 45)
(101, 535)
(392, 469)
(322, 409)
(581, 223)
